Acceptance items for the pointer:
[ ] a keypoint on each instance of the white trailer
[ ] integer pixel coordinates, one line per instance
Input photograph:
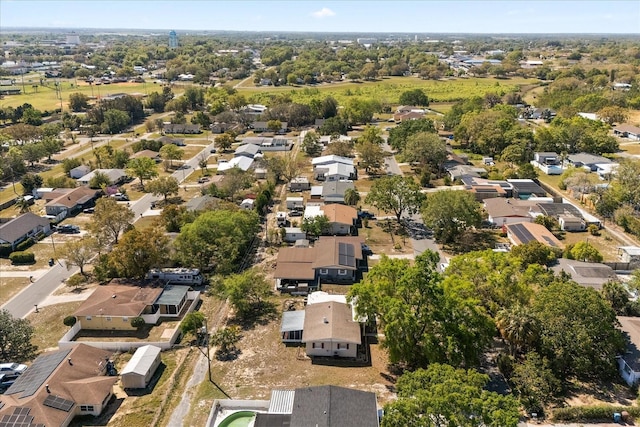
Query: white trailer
(178, 276)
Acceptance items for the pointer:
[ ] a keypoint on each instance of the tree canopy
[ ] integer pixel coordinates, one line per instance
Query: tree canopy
(15, 338)
(395, 194)
(450, 213)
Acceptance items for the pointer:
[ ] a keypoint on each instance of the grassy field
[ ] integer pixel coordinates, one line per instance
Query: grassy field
(48, 324)
(388, 90)
(46, 97)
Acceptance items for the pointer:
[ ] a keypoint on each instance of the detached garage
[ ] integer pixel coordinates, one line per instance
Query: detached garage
(141, 367)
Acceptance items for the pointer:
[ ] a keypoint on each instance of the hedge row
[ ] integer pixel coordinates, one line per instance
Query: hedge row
(5, 250)
(22, 258)
(592, 413)
(23, 246)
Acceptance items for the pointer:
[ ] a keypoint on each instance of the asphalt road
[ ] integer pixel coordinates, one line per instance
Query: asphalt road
(24, 303)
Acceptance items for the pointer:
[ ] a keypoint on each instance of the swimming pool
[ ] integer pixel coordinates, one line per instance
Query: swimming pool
(239, 419)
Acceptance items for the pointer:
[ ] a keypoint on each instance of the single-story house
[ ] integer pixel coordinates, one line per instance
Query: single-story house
(335, 172)
(42, 192)
(333, 191)
(242, 162)
(502, 211)
(567, 215)
(588, 274)
(630, 254)
(21, 228)
(330, 331)
(627, 130)
(336, 259)
(587, 161)
(181, 128)
(342, 218)
(525, 232)
(300, 183)
(629, 362)
(458, 171)
(607, 170)
(483, 192)
(168, 140)
(79, 171)
(202, 203)
(141, 367)
(329, 159)
(63, 202)
(263, 127)
(247, 150)
(526, 188)
(295, 203)
(293, 234)
(113, 306)
(409, 115)
(59, 386)
(319, 406)
(150, 154)
(116, 176)
(547, 162)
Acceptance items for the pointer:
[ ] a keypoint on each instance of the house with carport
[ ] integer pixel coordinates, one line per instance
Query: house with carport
(64, 202)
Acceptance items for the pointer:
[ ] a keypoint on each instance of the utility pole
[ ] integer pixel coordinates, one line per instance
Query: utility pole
(204, 338)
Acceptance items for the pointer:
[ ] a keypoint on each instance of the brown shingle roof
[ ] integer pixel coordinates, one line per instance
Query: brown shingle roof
(524, 232)
(501, 207)
(295, 263)
(77, 196)
(145, 153)
(118, 300)
(330, 321)
(340, 213)
(80, 382)
(330, 253)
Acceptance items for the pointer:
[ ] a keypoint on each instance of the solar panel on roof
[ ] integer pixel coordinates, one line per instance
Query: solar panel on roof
(19, 418)
(33, 378)
(549, 241)
(56, 402)
(522, 233)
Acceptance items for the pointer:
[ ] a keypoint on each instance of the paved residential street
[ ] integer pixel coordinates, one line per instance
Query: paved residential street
(36, 293)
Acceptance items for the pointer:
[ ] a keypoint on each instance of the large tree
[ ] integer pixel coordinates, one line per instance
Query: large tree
(248, 292)
(311, 145)
(578, 331)
(163, 186)
(449, 213)
(217, 239)
(399, 134)
(171, 152)
(441, 396)
(414, 97)
(15, 338)
(110, 219)
(427, 150)
(139, 251)
(142, 168)
(423, 322)
(371, 156)
(79, 252)
(395, 194)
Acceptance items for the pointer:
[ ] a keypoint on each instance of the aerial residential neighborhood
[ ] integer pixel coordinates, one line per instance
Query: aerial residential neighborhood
(318, 227)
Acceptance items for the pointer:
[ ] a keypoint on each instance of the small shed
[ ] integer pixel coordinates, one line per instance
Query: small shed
(141, 367)
(293, 234)
(247, 204)
(295, 203)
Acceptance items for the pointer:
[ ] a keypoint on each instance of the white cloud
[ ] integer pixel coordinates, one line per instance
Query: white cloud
(323, 13)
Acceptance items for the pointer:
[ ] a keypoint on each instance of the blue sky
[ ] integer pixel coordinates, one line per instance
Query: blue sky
(331, 16)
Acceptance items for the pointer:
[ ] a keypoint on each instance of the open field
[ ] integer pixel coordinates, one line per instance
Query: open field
(10, 286)
(388, 90)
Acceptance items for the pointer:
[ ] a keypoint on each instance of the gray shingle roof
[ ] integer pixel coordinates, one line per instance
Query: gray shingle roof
(327, 406)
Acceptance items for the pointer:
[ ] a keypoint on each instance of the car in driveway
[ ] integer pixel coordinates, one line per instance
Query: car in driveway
(366, 250)
(89, 210)
(121, 197)
(366, 214)
(68, 229)
(12, 369)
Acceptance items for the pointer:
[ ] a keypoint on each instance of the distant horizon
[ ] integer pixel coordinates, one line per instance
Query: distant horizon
(561, 17)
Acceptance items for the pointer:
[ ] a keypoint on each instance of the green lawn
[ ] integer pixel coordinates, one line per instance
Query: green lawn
(388, 90)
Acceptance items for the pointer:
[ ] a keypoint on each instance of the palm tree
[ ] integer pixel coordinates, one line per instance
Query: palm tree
(518, 327)
(351, 196)
(23, 205)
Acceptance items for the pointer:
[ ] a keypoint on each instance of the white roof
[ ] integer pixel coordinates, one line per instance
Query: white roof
(142, 360)
(113, 174)
(242, 162)
(631, 250)
(248, 202)
(293, 230)
(325, 160)
(312, 211)
(295, 199)
(339, 169)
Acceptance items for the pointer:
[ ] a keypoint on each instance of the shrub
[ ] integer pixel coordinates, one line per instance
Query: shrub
(23, 246)
(22, 258)
(137, 322)
(70, 321)
(5, 250)
(593, 229)
(592, 413)
(76, 280)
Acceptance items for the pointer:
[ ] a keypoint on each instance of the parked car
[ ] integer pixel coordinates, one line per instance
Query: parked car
(68, 229)
(89, 210)
(366, 214)
(121, 197)
(9, 369)
(203, 180)
(366, 250)
(213, 151)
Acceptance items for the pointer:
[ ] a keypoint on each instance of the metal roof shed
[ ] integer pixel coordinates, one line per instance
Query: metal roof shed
(141, 367)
